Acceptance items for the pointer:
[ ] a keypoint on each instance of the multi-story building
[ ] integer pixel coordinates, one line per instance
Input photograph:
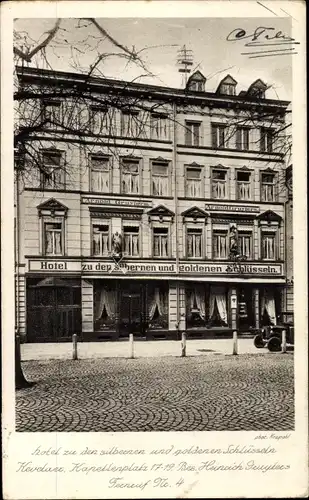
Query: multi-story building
(164, 216)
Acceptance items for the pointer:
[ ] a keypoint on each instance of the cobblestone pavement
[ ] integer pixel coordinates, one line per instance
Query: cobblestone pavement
(247, 392)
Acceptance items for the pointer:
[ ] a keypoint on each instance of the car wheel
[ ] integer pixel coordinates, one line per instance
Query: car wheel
(258, 341)
(274, 344)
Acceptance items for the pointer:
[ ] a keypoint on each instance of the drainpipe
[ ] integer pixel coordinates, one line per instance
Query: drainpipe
(176, 211)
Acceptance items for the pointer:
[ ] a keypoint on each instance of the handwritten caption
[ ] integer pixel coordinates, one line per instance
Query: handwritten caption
(156, 468)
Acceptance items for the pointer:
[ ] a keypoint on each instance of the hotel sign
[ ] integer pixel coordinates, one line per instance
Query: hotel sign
(144, 268)
(92, 200)
(232, 208)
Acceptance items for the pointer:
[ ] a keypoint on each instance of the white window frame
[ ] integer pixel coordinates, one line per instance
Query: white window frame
(274, 233)
(137, 162)
(267, 140)
(93, 169)
(99, 120)
(273, 184)
(46, 219)
(159, 127)
(166, 228)
(129, 124)
(245, 183)
(220, 231)
(55, 115)
(246, 233)
(100, 222)
(193, 133)
(192, 181)
(225, 183)
(198, 228)
(128, 225)
(216, 130)
(48, 170)
(242, 142)
(166, 164)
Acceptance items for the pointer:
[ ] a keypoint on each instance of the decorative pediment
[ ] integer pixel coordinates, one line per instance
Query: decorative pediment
(220, 167)
(193, 164)
(244, 168)
(269, 216)
(197, 76)
(52, 207)
(268, 171)
(194, 213)
(161, 212)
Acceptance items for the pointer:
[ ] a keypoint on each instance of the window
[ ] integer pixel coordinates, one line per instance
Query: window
(268, 246)
(268, 187)
(131, 241)
(99, 123)
(220, 245)
(245, 244)
(130, 124)
(159, 126)
(197, 86)
(267, 139)
(100, 173)
(243, 180)
(53, 238)
(160, 181)
(52, 172)
(192, 133)
(100, 239)
(218, 183)
(194, 182)
(218, 136)
(51, 113)
(160, 242)
(242, 138)
(227, 89)
(194, 242)
(130, 176)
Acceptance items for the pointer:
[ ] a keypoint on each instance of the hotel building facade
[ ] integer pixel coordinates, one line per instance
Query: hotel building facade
(165, 216)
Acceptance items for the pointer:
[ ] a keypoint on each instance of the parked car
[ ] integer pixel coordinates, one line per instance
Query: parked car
(271, 336)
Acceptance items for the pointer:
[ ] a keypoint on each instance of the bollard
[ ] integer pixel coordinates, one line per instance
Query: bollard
(131, 346)
(283, 345)
(183, 344)
(235, 346)
(74, 338)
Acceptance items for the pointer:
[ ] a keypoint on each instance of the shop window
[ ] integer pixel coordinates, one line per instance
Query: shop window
(218, 134)
(131, 241)
(196, 306)
(243, 180)
(101, 240)
(242, 138)
(219, 184)
(160, 178)
(105, 306)
(268, 246)
(160, 242)
(130, 124)
(159, 126)
(99, 120)
(130, 176)
(220, 244)
(193, 182)
(100, 173)
(268, 307)
(192, 133)
(52, 170)
(194, 242)
(157, 299)
(268, 187)
(267, 140)
(245, 244)
(218, 306)
(53, 238)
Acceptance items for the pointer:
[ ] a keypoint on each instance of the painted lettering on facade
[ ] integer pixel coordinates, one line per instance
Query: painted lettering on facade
(116, 202)
(232, 208)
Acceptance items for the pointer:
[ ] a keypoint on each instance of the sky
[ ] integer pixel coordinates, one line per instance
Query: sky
(159, 41)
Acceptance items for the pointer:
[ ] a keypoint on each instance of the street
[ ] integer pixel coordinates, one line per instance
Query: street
(206, 393)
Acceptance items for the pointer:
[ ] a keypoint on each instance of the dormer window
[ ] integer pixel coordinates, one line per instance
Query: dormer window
(196, 82)
(257, 89)
(227, 86)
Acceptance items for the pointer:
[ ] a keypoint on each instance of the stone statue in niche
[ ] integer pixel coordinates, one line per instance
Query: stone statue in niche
(233, 241)
(117, 243)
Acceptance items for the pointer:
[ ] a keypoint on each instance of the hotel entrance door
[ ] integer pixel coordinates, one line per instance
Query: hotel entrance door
(132, 311)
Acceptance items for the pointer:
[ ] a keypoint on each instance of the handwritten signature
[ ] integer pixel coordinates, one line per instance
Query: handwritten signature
(264, 36)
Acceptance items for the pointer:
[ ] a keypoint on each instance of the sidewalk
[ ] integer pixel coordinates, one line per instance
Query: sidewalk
(142, 349)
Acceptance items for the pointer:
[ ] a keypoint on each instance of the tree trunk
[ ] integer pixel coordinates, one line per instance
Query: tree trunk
(20, 380)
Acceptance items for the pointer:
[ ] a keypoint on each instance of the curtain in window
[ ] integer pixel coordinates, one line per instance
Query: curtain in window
(157, 302)
(107, 299)
(58, 248)
(218, 296)
(197, 301)
(48, 242)
(268, 304)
